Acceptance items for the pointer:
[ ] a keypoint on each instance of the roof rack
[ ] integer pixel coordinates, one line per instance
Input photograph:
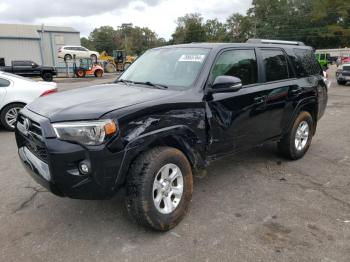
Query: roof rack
(276, 42)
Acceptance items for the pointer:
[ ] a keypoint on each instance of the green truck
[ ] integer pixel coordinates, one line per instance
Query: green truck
(324, 59)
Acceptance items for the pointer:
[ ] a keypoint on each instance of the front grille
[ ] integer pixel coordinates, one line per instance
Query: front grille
(37, 150)
(33, 137)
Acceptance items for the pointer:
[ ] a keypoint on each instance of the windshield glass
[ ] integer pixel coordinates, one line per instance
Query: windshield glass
(176, 68)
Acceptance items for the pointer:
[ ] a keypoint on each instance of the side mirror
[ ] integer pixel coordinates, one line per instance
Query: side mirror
(226, 84)
(34, 65)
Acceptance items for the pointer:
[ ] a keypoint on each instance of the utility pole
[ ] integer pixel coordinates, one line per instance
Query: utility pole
(125, 26)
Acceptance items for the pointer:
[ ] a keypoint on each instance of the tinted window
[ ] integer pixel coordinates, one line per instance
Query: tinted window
(322, 57)
(306, 63)
(237, 63)
(19, 63)
(4, 82)
(275, 64)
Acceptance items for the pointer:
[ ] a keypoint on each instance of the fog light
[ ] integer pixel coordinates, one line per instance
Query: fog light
(84, 167)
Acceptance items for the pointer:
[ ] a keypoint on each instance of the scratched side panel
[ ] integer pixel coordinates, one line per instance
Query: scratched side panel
(143, 126)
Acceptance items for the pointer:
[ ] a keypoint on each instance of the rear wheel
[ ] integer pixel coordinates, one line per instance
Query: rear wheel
(159, 188)
(67, 57)
(80, 72)
(9, 115)
(47, 76)
(297, 141)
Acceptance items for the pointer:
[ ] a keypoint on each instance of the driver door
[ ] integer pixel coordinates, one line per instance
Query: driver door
(234, 118)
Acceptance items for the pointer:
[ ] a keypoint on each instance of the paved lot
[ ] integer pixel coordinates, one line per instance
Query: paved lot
(251, 207)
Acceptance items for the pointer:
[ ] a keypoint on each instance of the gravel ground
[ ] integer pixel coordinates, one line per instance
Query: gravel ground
(253, 206)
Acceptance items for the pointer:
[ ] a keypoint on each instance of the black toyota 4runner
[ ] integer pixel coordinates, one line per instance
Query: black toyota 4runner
(176, 109)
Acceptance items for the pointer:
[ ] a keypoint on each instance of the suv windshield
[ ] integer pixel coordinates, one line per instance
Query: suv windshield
(177, 68)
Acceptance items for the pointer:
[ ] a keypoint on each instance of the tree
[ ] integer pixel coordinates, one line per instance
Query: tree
(215, 31)
(319, 23)
(134, 40)
(87, 43)
(189, 29)
(103, 39)
(239, 27)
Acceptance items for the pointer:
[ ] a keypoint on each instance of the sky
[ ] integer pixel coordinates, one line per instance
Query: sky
(85, 15)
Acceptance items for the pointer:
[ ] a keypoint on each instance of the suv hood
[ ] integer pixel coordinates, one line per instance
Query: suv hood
(94, 101)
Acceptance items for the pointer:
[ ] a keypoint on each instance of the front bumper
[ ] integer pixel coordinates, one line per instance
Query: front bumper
(55, 164)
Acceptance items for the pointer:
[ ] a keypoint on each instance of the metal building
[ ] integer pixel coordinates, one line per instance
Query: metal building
(38, 43)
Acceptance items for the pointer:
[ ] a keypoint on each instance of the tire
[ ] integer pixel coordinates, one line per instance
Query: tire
(110, 68)
(288, 144)
(126, 66)
(10, 112)
(98, 73)
(80, 73)
(143, 191)
(67, 57)
(47, 76)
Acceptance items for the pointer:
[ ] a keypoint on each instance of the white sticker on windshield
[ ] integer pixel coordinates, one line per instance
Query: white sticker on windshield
(192, 58)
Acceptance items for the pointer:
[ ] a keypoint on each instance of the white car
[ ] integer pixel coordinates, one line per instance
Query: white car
(16, 92)
(68, 52)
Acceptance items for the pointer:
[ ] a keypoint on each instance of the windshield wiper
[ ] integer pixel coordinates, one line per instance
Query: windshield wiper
(127, 82)
(148, 83)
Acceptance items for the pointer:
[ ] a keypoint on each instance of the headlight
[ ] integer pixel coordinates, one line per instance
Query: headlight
(86, 132)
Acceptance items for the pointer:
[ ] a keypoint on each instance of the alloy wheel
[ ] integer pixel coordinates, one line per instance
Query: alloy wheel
(302, 135)
(11, 116)
(168, 188)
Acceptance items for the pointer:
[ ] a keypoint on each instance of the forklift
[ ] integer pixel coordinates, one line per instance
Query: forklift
(119, 62)
(87, 67)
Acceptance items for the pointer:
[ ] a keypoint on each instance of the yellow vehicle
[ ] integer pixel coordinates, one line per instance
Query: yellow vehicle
(118, 62)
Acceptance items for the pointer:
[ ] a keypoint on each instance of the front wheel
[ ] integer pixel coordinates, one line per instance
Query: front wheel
(98, 73)
(297, 141)
(9, 115)
(159, 188)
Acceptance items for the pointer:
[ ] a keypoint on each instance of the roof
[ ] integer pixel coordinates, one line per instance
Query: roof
(234, 45)
(30, 31)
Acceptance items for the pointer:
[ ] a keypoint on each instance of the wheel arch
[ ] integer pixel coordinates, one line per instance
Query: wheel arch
(179, 137)
(11, 103)
(309, 105)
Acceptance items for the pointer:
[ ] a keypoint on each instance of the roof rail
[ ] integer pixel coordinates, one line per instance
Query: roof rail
(276, 42)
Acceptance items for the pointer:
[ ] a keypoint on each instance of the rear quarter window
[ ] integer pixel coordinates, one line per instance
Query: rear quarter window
(306, 63)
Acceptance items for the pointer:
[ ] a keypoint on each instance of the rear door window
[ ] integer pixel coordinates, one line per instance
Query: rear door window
(275, 65)
(237, 63)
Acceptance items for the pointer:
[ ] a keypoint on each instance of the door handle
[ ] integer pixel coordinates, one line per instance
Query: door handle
(296, 91)
(259, 100)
